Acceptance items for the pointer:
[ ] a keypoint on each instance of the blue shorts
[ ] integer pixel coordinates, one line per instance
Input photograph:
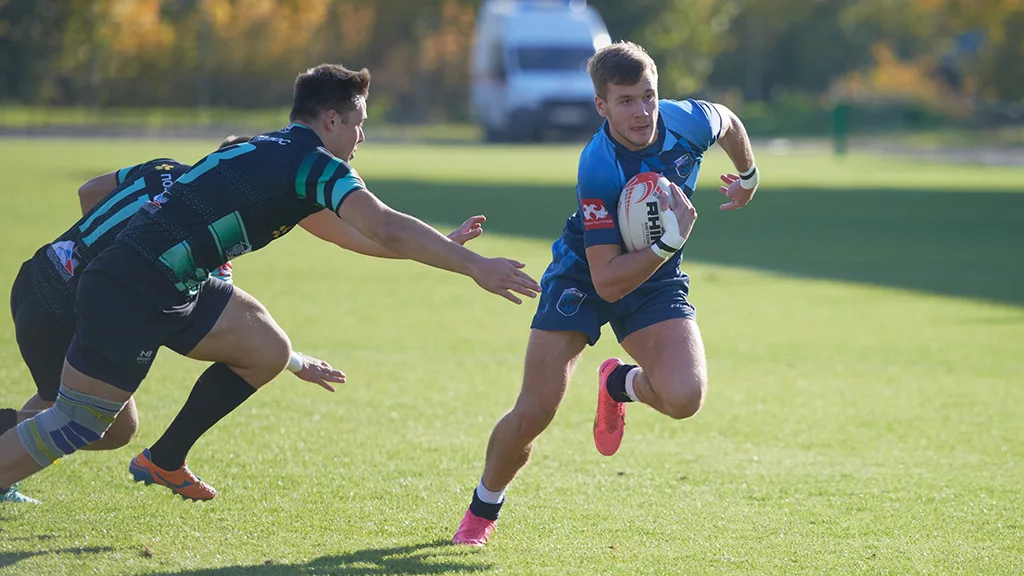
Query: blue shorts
(569, 301)
(127, 309)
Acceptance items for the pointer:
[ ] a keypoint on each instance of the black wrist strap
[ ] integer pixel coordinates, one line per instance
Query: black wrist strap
(664, 246)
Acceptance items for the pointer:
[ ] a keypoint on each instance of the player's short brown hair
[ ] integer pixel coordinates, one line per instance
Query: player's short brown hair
(328, 87)
(623, 63)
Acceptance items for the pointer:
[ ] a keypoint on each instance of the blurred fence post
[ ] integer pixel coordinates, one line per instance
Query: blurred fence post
(840, 128)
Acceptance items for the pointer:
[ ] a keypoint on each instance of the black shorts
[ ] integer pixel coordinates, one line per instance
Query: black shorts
(43, 338)
(127, 309)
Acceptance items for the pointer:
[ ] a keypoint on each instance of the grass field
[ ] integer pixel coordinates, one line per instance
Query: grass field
(864, 321)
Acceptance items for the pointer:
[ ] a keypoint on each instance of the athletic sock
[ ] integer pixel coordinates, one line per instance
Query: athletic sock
(630, 380)
(8, 419)
(616, 383)
(488, 496)
(487, 510)
(218, 391)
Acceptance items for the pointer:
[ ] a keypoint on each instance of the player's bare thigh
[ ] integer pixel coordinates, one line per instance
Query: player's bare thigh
(246, 338)
(551, 356)
(671, 354)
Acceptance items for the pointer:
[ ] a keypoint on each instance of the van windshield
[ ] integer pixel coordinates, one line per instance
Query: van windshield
(552, 58)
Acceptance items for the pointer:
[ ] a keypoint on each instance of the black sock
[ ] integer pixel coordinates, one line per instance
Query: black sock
(484, 509)
(616, 383)
(217, 392)
(8, 419)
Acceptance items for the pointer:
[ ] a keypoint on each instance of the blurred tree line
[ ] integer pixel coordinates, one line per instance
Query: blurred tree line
(946, 56)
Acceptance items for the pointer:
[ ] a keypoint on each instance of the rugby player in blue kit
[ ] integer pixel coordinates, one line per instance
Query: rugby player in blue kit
(592, 280)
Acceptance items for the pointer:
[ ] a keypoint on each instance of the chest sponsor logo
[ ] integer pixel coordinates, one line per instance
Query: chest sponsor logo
(67, 256)
(238, 249)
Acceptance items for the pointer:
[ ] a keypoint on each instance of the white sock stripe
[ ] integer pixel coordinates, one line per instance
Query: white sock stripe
(630, 377)
(487, 496)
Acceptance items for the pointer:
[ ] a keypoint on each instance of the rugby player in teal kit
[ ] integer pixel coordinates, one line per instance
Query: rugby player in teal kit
(148, 286)
(43, 295)
(592, 280)
(44, 291)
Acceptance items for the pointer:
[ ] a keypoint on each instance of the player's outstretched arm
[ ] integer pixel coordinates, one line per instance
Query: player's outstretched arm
(96, 189)
(328, 227)
(410, 238)
(616, 274)
(739, 188)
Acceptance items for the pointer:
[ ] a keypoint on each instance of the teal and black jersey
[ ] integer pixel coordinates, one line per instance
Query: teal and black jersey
(237, 200)
(55, 266)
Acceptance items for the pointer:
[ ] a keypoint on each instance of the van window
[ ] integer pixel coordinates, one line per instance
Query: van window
(553, 58)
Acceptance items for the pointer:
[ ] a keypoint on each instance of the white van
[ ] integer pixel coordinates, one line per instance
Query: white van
(529, 75)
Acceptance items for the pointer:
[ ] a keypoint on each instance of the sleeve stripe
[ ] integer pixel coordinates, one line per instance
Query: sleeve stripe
(329, 171)
(123, 173)
(348, 183)
(303, 173)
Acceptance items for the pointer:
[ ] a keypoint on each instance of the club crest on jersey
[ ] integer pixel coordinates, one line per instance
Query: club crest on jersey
(569, 302)
(67, 257)
(684, 165)
(595, 214)
(165, 167)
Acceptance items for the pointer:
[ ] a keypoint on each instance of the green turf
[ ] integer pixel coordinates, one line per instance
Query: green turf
(863, 320)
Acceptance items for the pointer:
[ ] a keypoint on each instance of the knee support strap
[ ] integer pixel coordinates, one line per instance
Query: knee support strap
(73, 421)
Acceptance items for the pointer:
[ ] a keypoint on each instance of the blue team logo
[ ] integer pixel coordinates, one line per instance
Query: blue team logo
(569, 302)
(684, 165)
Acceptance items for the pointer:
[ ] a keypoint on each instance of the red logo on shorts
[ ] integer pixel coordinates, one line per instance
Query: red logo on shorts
(595, 215)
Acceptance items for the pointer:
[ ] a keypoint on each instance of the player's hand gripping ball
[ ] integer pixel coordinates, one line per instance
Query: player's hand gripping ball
(640, 212)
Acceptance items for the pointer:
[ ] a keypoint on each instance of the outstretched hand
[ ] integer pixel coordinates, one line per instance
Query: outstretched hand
(319, 372)
(470, 229)
(502, 276)
(738, 195)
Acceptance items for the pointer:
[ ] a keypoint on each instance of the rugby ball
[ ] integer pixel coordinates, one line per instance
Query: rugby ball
(640, 212)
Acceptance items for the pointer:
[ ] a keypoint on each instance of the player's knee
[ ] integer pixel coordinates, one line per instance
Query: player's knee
(270, 354)
(686, 399)
(278, 351)
(75, 421)
(121, 432)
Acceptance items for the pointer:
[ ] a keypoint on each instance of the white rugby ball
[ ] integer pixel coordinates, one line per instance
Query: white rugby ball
(639, 211)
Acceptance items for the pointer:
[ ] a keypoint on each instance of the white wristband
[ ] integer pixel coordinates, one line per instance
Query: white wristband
(671, 240)
(295, 362)
(750, 178)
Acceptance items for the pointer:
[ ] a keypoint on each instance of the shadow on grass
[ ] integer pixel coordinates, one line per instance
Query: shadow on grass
(968, 244)
(436, 557)
(12, 558)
